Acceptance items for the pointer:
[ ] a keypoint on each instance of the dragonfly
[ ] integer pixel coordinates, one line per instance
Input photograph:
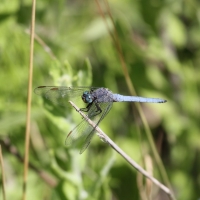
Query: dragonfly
(95, 101)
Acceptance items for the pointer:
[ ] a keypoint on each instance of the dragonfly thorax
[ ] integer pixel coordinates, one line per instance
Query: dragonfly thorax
(87, 97)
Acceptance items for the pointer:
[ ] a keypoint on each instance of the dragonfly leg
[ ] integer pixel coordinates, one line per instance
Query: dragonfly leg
(87, 108)
(98, 111)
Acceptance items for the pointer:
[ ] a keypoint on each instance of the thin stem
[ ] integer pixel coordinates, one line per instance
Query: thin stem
(44, 45)
(3, 175)
(47, 178)
(107, 140)
(131, 88)
(28, 115)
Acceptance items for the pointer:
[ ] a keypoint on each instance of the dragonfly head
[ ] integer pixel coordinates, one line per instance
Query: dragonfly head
(87, 97)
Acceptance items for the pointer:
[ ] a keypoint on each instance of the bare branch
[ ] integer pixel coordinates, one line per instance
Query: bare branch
(107, 140)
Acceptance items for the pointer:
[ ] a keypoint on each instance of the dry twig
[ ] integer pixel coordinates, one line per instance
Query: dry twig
(107, 140)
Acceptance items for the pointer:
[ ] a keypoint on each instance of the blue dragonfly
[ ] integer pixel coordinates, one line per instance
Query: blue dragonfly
(96, 102)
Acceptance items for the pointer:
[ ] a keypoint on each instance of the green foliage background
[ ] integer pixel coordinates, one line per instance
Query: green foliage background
(160, 42)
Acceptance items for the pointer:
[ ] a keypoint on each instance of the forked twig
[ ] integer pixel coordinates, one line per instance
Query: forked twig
(106, 139)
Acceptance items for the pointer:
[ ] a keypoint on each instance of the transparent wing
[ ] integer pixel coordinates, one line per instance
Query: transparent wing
(82, 134)
(61, 95)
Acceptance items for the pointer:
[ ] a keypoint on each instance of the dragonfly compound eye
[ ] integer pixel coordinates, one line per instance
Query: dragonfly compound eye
(87, 97)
